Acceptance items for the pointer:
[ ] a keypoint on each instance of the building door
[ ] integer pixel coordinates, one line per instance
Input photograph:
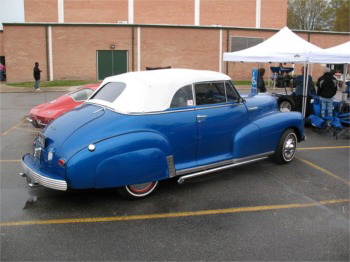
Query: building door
(111, 62)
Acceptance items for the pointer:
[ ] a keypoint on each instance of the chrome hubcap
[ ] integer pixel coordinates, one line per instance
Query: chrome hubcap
(285, 107)
(141, 189)
(289, 147)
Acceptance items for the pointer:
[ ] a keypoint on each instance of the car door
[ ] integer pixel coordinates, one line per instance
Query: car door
(181, 128)
(220, 115)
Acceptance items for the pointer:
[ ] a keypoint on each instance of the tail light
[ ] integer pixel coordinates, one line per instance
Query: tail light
(62, 162)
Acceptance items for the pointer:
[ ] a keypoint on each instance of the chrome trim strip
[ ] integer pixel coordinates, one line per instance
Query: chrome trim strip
(98, 110)
(222, 163)
(183, 178)
(196, 107)
(228, 104)
(142, 113)
(192, 108)
(164, 112)
(42, 180)
(171, 166)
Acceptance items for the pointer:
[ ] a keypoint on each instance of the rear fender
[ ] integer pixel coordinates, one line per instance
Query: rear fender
(131, 158)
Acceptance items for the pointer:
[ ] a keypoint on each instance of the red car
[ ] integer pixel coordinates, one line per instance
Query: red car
(43, 114)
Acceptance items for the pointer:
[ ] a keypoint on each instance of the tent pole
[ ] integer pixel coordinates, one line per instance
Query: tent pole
(269, 81)
(305, 80)
(306, 88)
(345, 72)
(274, 76)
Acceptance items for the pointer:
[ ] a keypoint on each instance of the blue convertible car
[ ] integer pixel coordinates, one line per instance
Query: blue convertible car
(142, 127)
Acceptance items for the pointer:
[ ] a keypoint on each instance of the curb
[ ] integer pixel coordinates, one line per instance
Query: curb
(20, 91)
(7, 89)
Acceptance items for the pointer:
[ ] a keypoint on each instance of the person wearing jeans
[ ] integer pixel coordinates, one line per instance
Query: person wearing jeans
(326, 106)
(326, 89)
(36, 74)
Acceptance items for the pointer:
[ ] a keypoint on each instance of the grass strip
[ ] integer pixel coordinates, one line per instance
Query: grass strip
(54, 83)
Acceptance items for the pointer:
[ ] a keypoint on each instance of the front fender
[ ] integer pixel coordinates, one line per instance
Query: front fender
(272, 127)
(262, 134)
(131, 158)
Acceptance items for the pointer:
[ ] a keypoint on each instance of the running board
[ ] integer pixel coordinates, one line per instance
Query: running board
(183, 178)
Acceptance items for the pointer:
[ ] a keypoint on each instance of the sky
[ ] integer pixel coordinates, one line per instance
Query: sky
(11, 11)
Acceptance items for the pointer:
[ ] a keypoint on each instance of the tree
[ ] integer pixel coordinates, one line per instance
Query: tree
(310, 14)
(342, 17)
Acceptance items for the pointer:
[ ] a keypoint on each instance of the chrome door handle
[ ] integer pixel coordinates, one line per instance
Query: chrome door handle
(201, 118)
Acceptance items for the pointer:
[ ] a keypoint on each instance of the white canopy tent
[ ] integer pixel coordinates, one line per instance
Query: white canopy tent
(286, 46)
(339, 54)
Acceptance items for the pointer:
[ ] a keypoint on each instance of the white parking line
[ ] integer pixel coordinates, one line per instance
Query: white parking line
(15, 126)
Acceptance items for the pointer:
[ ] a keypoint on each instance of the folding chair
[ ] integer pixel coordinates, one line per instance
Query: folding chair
(317, 123)
(322, 125)
(341, 123)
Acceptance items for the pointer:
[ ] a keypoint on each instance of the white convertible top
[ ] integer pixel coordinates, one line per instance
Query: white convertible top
(152, 91)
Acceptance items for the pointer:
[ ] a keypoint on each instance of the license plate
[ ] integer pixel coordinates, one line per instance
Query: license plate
(41, 140)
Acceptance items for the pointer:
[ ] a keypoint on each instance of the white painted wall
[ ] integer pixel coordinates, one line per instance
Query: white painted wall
(258, 14)
(60, 4)
(131, 11)
(197, 11)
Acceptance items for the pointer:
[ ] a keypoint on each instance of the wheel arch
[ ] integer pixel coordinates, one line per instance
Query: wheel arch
(297, 131)
(290, 99)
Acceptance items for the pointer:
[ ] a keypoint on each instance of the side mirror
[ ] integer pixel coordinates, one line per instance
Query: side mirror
(241, 100)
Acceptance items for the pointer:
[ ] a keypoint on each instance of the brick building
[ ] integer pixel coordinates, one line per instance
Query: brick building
(241, 13)
(85, 39)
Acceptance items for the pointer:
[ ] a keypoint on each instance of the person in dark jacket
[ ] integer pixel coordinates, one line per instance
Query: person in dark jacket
(36, 74)
(326, 90)
(261, 83)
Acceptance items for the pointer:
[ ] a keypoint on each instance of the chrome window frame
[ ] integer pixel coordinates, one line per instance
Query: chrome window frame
(208, 82)
(234, 90)
(180, 108)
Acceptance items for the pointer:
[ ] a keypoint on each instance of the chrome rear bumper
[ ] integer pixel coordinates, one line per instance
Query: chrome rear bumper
(35, 179)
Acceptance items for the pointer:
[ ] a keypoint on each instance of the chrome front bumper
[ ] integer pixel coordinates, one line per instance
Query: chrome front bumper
(37, 123)
(35, 179)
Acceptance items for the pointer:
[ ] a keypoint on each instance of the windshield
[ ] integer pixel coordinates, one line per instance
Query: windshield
(81, 95)
(110, 91)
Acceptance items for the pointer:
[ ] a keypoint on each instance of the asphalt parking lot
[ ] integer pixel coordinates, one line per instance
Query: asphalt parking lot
(258, 212)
